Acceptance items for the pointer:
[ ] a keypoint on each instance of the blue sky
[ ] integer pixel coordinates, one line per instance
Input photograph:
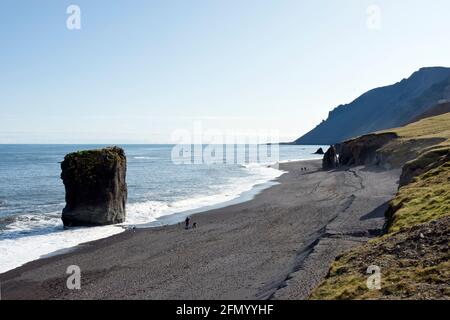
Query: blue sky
(138, 70)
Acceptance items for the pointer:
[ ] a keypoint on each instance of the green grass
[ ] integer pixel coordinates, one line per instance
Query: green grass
(83, 165)
(434, 127)
(424, 199)
(401, 277)
(427, 198)
(416, 139)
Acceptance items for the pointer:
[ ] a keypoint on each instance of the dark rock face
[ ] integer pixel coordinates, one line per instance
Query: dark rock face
(438, 109)
(330, 160)
(363, 150)
(319, 151)
(96, 190)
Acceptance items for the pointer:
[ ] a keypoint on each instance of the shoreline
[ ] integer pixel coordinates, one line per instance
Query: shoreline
(160, 221)
(178, 217)
(254, 249)
(165, 219)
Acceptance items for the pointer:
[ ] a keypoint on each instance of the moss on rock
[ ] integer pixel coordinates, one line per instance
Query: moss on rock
(95, 186)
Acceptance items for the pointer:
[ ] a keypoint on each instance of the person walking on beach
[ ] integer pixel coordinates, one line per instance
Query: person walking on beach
(187, 222)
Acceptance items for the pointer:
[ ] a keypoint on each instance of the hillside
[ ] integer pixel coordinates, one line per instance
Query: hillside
(413, 253)
(438, 109)
(383, 108)
(395, 147)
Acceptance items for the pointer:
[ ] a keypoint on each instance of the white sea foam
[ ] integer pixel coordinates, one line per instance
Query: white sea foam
(3, 204)
(144, 212)
(31, 237)
(149, 211)
(296, 160)
(145, 158)
(18, 251)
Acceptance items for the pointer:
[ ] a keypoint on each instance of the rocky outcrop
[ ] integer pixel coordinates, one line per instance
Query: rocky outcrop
(330, 160)
(424, 163)
(319, 151)
(96, 190)
(364, 150)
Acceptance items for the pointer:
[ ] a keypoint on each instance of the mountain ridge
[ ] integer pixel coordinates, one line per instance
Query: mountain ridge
(383, 107)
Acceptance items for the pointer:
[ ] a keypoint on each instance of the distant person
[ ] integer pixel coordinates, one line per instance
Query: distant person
(187, 222)
(194, 225)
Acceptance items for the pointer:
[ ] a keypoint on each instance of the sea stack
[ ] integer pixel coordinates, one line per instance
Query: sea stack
(96, 190)
(330, 160)
(319, 151)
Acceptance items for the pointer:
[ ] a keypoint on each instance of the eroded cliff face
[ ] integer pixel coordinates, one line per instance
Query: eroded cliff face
(96, 190)
(364, 150)
(330, 160)
(424, 163)
(385, 150)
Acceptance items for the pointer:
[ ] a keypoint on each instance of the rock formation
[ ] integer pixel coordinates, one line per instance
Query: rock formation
(363, 150)
(330, 160)
(96, 190)
(319, 151)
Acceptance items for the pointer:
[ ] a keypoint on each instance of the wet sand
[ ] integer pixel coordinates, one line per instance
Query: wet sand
(277, 246)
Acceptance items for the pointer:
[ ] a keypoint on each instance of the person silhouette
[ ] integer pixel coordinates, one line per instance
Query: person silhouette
(187, 222)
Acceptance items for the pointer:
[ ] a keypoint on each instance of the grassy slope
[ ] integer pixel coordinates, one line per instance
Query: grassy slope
(418, 139)
(414, 264)
(434, 127)
(426, 198)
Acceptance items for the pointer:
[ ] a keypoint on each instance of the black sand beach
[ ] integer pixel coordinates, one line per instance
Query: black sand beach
(278, 245)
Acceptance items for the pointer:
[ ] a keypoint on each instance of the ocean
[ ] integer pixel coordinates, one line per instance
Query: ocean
(159, 192)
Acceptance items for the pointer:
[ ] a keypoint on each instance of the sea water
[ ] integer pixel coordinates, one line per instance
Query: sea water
(32, 193)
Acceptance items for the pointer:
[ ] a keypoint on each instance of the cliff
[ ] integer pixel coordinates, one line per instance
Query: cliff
(365, 150)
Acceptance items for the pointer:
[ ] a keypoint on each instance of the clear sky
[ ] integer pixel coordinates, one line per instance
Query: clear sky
(138, 70)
